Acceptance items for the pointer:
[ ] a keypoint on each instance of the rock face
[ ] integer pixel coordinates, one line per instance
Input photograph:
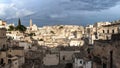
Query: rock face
(102, 50)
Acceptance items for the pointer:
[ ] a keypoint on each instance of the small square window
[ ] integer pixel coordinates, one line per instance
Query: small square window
(80, 62)
(103, 31)
(113, 31)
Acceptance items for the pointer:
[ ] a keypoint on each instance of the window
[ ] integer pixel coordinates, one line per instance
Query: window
(63, 57)
(107, 31)
(118, 29)
(2, 61)
(4, 46)
(113, 31)
(88, 50)
(103, 31)
(9, 61)
(107, 37)
(80, 62)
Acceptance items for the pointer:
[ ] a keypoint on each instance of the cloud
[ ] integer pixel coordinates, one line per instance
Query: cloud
(53, 8)
(10, 10)
(89, 5)
(60, 11)
(58, 16)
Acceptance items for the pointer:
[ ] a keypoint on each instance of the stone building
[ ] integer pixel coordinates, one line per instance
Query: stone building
(90, 33)
(3, 23)
(106, 53)
(106, 31)
(66, 56)
(3, 58)
(3, 38)
(51, 59)
(76, 42)
(9, 55)
(3, 47)
(81, 61)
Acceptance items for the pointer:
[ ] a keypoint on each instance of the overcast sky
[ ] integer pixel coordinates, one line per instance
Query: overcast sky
(56, 12)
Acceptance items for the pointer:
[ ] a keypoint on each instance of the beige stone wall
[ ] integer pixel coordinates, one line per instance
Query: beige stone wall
(103, 31)
(51, 59)
(3, 55)
(2, 37)
(67, 55)
(15, 64)
(21, 61)
(16, 52)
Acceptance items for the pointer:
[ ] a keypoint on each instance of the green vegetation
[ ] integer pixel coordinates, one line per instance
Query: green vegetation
(20, 27)
(11, 28)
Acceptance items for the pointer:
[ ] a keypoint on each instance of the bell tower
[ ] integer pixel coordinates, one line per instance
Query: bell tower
(31, 24)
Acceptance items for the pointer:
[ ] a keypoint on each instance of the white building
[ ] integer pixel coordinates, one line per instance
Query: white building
(34, 27)
(16, 61)
(81, 62)
(13, 61)
(15, 35)
(2, 23)
(7, 26)
(76, 42)
(26, 45)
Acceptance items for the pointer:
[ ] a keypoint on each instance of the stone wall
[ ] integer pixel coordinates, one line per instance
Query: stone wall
(102, 51)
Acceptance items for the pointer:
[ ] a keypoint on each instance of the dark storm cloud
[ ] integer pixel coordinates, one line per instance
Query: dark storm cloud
(91, 5)
(46, 12)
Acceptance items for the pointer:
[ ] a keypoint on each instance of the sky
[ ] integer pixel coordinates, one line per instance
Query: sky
(59, 12)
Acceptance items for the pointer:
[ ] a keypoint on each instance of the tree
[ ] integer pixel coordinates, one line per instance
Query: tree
(20, 27)
(19, 22)
(11, 28)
